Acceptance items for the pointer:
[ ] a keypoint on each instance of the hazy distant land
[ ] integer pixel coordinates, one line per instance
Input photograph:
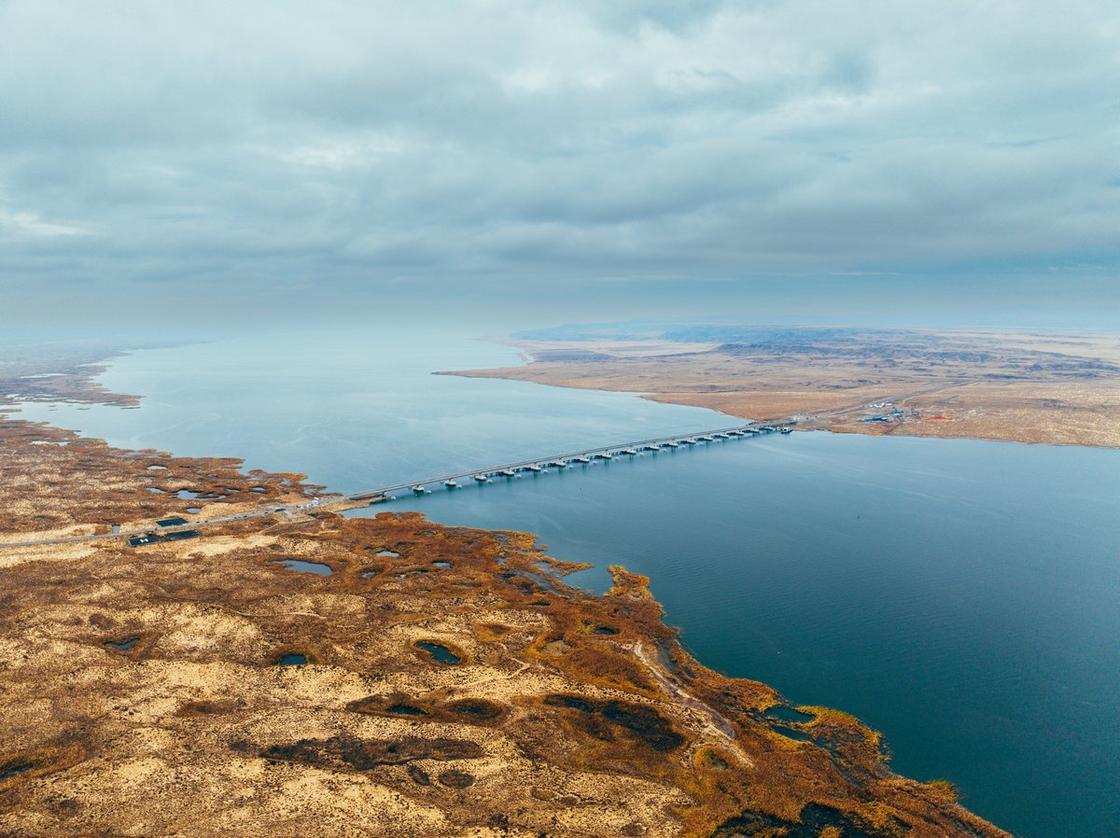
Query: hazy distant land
(425, 680)
(1019, 386)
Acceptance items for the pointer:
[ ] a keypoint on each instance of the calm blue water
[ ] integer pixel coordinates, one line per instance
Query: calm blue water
(961, 596)
(355, 411)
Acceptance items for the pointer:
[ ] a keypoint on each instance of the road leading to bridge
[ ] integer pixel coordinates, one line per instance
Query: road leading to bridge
(338, 503)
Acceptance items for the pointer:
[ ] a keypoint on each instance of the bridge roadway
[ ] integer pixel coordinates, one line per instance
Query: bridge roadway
(337, 503)
(544, 462)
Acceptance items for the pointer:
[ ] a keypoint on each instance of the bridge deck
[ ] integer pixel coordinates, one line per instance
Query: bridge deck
(383, 490)
(620, 448)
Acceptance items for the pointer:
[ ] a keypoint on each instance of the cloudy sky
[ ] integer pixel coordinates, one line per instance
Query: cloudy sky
(568, 157)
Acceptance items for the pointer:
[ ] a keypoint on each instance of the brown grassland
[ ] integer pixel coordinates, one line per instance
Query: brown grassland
(451, 683)
(1060, 389)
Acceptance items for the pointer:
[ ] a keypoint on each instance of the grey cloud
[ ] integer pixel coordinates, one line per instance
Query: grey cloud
(347, 144)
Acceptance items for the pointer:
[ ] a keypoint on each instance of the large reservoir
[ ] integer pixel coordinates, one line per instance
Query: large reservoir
(961, 596)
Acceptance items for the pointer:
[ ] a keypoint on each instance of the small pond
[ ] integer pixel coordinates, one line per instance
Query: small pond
(300, 566)
(440, 654)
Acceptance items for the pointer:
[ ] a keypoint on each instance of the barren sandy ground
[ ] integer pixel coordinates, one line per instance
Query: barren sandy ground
(1059, 389)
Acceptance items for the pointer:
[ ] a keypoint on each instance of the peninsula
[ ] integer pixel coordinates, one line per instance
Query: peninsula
(1018, 386)
(308, 673)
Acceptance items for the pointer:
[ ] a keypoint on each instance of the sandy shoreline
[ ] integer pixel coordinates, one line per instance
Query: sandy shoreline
(1000, 386)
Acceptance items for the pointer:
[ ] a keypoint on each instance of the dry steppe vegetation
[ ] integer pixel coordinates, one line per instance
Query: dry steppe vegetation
(1049, 388)
(437, 681)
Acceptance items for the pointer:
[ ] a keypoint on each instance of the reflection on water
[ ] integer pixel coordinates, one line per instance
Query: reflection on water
(300, 566)
(960, 596)
(357, 410)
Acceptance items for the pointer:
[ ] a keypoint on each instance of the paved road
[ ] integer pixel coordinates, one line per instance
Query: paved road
(191, 525)
(336, 503)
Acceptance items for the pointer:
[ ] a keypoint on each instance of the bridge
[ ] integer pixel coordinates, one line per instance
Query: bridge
(559, 461)
(337, 503)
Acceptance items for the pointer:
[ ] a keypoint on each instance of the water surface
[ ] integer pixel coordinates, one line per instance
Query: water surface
(961, 596)
(300, 566)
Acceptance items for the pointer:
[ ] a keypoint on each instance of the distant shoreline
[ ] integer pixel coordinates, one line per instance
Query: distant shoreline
(1006, 386)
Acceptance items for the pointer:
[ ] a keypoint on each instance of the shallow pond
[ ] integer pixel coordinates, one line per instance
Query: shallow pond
(300, 566)
(439, 653)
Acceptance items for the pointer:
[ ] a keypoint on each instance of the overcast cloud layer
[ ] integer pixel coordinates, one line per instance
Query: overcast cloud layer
(234, 148)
